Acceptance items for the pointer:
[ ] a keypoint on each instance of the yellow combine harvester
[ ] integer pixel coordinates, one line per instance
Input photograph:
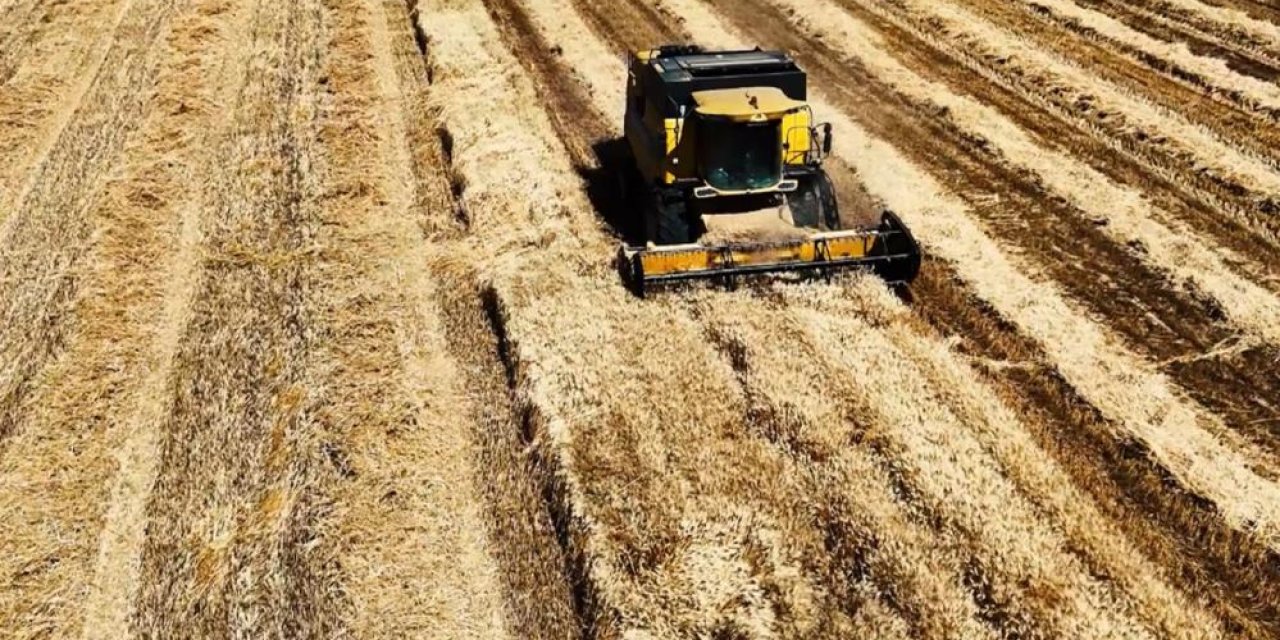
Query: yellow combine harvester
(720, 135)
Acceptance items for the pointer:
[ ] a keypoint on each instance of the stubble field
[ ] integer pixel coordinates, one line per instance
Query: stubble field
(309, 327)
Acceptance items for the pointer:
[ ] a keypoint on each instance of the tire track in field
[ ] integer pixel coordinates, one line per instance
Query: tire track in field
(233, 519)
(1160, 79)
(80, 484)
(1239, 57)
(1141, 304)
(43, 242)
(1164, 144)
(40, 104)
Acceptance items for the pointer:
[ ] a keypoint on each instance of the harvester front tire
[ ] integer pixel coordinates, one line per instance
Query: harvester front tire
(669, 221)
(814, 205)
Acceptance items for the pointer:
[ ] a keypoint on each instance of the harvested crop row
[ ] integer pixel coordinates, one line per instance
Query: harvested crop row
(1183, 520)
(233, 519)
(1244, 230)
(1169, 145)
(83, 459)
(1256, 19)
(1006, 200)
(1057, 241)
(1104, 371)
(1162, 79)
(673, 518)
(1238, 51)
(39, 102)
(44, 239)
(1237, 578)
(418, 415)
(1259, 93)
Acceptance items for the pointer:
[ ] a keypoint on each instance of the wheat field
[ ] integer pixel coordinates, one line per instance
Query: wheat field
(311, 329)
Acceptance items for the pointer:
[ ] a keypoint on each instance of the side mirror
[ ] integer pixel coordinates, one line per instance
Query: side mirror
(826, 139)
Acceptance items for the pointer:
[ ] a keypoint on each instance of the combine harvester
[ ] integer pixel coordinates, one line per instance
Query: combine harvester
(729, 135)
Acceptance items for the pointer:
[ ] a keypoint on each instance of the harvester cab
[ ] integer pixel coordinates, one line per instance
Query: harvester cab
(719, 138)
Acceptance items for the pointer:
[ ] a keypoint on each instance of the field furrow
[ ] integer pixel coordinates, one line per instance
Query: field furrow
(1164, 77)
(1235, 575)
(1166, 143)
(44, 239)
(72, 500)
(1215, 75)
(1259, 20)
(234, 517)
(1167, 24)
(1147, 305)
(419, 422)
(39, 102)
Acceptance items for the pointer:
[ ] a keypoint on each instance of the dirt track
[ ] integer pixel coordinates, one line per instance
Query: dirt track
(311, 329)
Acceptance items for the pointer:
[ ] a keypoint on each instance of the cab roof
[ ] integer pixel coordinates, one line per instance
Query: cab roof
(747, 102)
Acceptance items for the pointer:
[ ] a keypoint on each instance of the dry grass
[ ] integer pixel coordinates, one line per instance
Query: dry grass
(405, 416)
(1200, 145)
(1233, 19)
(1122, 212)
(311, 331)
(39, 102)
(1182, 435)
(1215, 71)
(239, 496)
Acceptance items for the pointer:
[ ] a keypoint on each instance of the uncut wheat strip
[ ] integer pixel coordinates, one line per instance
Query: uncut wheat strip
(1182, 435)
(1129, 218)
(235, 514)
(1215, 71)
(1206, 148)
(1029, 563)
(1232, 18)
(663, 503)
(398, 406)
(1100, 542)
(40, 102)
(80, 437)
(906, 559)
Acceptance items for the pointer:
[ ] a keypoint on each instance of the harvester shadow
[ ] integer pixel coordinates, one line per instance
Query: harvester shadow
(605, 189)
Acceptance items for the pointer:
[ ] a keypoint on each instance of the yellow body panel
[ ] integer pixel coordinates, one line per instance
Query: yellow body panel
(750, 103)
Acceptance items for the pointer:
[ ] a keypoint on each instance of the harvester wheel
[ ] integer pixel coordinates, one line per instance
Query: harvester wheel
(814, 204)
(668, 220)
